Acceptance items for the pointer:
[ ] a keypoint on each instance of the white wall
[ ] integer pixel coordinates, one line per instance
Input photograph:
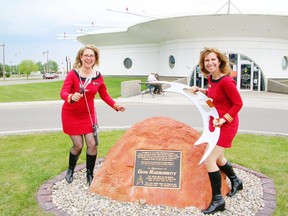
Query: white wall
(146, 58)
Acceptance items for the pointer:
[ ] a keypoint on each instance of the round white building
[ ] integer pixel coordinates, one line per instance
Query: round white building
(256, 45)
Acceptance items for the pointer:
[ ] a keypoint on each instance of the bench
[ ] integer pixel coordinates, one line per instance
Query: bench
(150, 88)
(130, 88)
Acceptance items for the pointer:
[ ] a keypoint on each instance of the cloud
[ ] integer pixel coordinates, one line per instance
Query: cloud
(31, 26)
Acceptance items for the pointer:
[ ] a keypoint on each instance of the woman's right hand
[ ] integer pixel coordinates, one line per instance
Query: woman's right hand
(194, 89)
(76, 96)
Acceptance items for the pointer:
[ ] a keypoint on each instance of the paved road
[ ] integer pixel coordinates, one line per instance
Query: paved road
(46, 116)
(263, 112)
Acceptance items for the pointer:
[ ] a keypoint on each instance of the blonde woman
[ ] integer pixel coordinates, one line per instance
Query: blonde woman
(78, 111)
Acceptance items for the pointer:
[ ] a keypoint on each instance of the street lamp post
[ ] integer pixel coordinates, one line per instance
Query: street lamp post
(3, 45)
(47, 66)
(68, 64)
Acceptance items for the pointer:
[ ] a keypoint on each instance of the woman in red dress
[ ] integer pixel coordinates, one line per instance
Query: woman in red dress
(227, 100)
(78, 111)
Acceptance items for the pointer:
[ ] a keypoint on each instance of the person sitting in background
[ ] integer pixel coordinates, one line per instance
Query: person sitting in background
(154, 78)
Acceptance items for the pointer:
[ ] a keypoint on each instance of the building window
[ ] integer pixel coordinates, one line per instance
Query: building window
(284, 62)
(127, 63)
(171, 61)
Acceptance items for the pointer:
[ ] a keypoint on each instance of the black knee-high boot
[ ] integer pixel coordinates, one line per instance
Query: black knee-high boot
(90, 164)
(236, 183)
(72, 163)
(217, 203)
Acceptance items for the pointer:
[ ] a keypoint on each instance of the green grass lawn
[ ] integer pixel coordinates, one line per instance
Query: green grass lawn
(27, 161)
(46, 91)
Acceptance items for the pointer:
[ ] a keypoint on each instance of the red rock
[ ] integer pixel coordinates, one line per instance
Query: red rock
(115, 177)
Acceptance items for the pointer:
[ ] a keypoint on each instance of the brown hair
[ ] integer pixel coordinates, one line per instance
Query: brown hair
(78, 62)
(224, 63)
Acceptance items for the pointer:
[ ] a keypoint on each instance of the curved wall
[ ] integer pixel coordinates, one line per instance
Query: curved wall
(147, 58)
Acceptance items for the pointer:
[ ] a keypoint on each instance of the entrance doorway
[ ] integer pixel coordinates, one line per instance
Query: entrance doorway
(246, 73)
(246, 76)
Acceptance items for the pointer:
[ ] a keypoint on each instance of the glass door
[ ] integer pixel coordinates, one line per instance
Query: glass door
(257, 79)
(198, 79)
(246, 76)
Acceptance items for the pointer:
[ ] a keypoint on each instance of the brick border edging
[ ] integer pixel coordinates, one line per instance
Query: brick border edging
(269, 192)
(44, 193)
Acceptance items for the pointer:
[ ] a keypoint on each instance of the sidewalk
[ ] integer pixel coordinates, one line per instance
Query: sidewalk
(265, 100)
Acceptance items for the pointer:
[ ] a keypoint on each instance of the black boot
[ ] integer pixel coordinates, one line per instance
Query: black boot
(72, 163)
(217, 203)
(236, 183)
(90, 164)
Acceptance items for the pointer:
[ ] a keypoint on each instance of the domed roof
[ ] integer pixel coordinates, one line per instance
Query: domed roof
(195, 26)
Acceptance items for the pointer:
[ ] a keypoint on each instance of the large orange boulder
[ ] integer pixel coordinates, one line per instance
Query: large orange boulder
(115, 178)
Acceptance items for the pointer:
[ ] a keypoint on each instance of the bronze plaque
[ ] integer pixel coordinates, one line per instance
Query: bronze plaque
(157, 168)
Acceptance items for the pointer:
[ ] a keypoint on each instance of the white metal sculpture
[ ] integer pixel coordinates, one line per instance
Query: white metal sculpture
(206, 109)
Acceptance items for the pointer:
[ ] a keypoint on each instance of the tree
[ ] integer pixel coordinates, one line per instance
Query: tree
(53, 66)
(27, 66)
(7, 69)
(40, 66)
(1, 70)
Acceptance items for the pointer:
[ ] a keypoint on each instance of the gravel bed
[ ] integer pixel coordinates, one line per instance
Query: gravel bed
(75, 199)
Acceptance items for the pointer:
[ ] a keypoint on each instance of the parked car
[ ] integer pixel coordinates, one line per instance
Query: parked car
(50, 76)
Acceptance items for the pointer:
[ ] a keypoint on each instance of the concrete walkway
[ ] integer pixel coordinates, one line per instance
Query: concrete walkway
(265, 100)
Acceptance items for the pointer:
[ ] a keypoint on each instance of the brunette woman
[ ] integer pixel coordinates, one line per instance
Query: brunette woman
(223, 91)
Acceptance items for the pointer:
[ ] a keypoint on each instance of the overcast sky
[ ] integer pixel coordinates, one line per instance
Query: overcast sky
(30, 27)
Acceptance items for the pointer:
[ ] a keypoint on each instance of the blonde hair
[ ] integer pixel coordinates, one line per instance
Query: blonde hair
(224, 63)
(78, 62)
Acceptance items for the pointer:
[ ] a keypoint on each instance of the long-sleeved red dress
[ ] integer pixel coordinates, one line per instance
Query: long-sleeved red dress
(75, 115)
(228, 102)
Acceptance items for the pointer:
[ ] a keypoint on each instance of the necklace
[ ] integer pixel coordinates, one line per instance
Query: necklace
(87, 81)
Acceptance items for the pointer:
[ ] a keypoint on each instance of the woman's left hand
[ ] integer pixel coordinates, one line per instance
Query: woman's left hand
(119, 107)
(218, 122)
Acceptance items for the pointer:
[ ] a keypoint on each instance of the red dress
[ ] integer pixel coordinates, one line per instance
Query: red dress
(228, 103)
(75, 115)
